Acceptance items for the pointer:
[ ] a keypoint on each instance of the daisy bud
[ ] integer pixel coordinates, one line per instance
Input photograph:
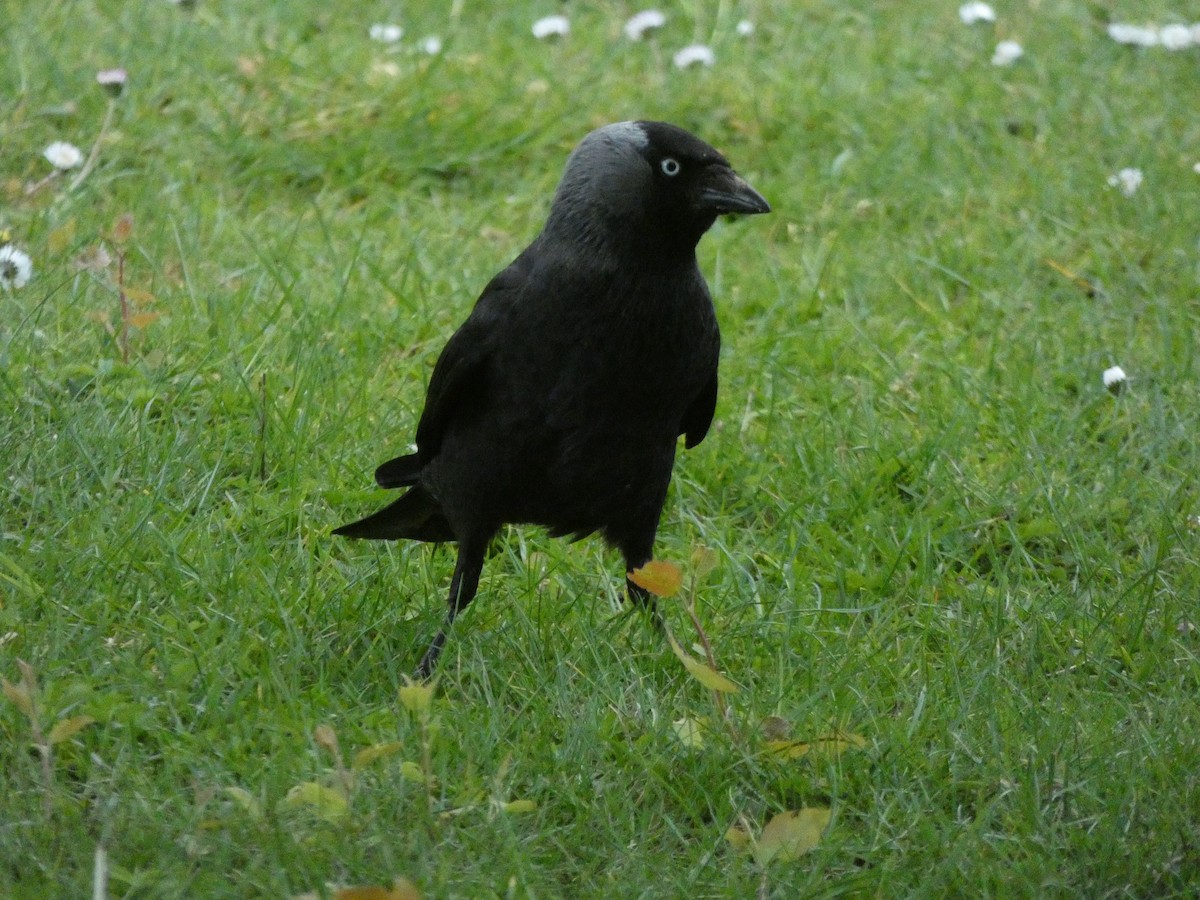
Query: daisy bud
(647, 20)
(1128, 180)
(385, 33)
(551, 26)
(694, 55)
(112, 80)
(970, 13)
(1007, 53)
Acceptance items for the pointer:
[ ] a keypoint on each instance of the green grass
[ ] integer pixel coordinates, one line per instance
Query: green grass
(935, 528)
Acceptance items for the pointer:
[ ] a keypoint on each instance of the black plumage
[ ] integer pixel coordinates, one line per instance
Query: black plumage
(560, 400)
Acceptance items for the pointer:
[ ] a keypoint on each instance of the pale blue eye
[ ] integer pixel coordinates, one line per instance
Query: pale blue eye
(670, 167)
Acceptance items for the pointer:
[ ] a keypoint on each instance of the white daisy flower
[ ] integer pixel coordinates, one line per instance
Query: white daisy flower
(551, 26)
(1007, 53)
(432, 45)
(646, 20)
(1113, 378)
(385, 33)
(1175, 37)
(1136, 35)
(970, 13)
(62, 155)
(745, 28)
(694, 55)
(1128, 180)
(15, 268)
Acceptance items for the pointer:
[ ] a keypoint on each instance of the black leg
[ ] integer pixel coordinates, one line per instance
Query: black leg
(637, 554)
(463, 586)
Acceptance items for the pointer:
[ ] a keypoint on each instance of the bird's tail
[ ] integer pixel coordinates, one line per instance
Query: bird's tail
(416, 516)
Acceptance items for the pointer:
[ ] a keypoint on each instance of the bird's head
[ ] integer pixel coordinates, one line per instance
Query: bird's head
(649, 185)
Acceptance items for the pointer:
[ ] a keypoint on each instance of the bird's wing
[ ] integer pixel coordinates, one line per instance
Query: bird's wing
(699, 414)
(460, 371)
(399, 472)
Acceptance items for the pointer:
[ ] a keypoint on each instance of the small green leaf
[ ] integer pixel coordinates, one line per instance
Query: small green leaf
(417, 696)
(412, 772)
(704, 560)
(709, 677)
(520, 806)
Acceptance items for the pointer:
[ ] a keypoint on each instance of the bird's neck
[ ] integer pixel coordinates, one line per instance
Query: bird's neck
(627, 243)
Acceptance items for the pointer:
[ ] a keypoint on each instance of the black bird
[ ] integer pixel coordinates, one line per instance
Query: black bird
(560, 400)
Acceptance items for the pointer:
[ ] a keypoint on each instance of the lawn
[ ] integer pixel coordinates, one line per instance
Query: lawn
(953, 574)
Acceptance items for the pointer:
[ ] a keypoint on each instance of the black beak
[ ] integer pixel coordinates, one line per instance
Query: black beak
(724, 191)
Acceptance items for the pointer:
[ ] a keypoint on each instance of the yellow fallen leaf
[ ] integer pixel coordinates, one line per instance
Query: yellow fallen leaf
(247, 801)
(139, 296)
(829, 746)
(690, 733)
(327, 803)
(737, 837)
(709, 677)
(659, 577)
(366, 892)
(368, 755)
(60, 238)
(401, 889)
(326, 738)
(788, 749)
(833, 745)
(65, 729)
(142, 319)
(791, 834)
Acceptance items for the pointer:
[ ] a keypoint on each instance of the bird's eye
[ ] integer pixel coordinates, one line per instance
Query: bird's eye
(670, 167)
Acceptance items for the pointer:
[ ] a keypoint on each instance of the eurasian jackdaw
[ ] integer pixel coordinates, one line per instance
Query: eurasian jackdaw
(560, 400)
